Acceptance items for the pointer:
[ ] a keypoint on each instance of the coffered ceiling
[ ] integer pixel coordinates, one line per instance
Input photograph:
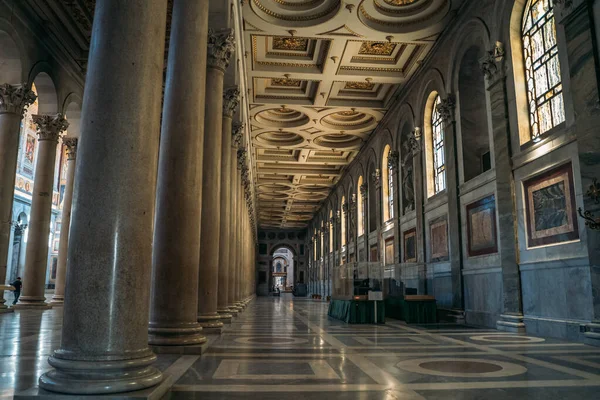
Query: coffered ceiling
(321, 75)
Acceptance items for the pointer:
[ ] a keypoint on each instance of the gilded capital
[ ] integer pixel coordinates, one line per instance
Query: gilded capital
(231, 99)
(237, 132)
(221, 45)
(71, 147)
(15, 99)
(50, 127)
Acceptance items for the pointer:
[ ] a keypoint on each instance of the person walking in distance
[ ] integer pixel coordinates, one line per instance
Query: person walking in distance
(17, 285)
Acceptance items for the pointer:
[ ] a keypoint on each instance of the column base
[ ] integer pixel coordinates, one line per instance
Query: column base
(198, 349)
(32, 303)
(233, 310)
(225, 316)
(169, 335)
(591, 335)
(57, 300)
(100, 377)
(3, 307)
(211, 323)
(511, 323)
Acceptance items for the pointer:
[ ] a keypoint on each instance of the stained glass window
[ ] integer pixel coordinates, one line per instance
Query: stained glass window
(391, 191)
(439, 159)
(542, 67)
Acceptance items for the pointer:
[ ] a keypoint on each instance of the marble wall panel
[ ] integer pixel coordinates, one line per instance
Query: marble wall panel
(483, 297)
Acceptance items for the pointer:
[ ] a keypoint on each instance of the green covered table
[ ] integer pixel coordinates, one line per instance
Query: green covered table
(357, 311)
(412, 309)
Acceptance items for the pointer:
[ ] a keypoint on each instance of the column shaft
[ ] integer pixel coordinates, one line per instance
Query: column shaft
(233, 248)
(220, 46)
(176, 251)
(104, 345)
(231, 98)
(36, 258)
(63, 245)
(14, 101)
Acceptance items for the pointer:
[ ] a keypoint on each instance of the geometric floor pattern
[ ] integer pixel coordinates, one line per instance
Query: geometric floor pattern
(286, 348)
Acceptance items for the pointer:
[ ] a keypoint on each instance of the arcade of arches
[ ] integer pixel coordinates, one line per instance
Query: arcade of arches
(196, 196)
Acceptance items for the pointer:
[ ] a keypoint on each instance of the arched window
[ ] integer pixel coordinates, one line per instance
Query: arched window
(542, 67)
(437, 142)
(361, 210)
(330, 231)
(343, 222)
(387, 187)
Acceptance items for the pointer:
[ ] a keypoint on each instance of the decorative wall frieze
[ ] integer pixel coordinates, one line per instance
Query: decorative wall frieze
(221, 45)
(71, 147)
(15, 99)
(492, 64)
(50, 127)
(231, 99)
(446, 108)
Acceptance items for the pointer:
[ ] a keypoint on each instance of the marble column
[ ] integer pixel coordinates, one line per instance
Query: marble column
(415, 146)
(233, 183)
(176, 251)
(220, 48)
(364, 192)
(579, 19)
(14, 100)
(63, 245)
(104, 344)
(394, 163)
(242, 160)
(49, 130)
(231, 99)
(447, 109)
(378, 214)
(494, 68)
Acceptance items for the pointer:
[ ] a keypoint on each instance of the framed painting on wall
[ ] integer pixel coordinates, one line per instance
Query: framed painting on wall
(389, 251)
(373, 256)
(438, 237)
(550, 209)
(410, 246)
(481, 227)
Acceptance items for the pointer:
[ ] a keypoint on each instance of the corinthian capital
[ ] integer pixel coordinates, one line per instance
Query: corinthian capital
(71, 145)
(492, 64)
(237, 133)
(446, 108)
(220, 48)
(231, 99)
(50, 127)
(15, 99)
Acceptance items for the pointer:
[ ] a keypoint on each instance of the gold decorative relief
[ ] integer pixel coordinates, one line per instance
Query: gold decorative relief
(377, 48)
(360, 85)
(400, 2)
(290, 44)
(286, 82)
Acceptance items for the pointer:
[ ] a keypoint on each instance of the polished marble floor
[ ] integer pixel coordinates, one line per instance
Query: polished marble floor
(285, 348)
